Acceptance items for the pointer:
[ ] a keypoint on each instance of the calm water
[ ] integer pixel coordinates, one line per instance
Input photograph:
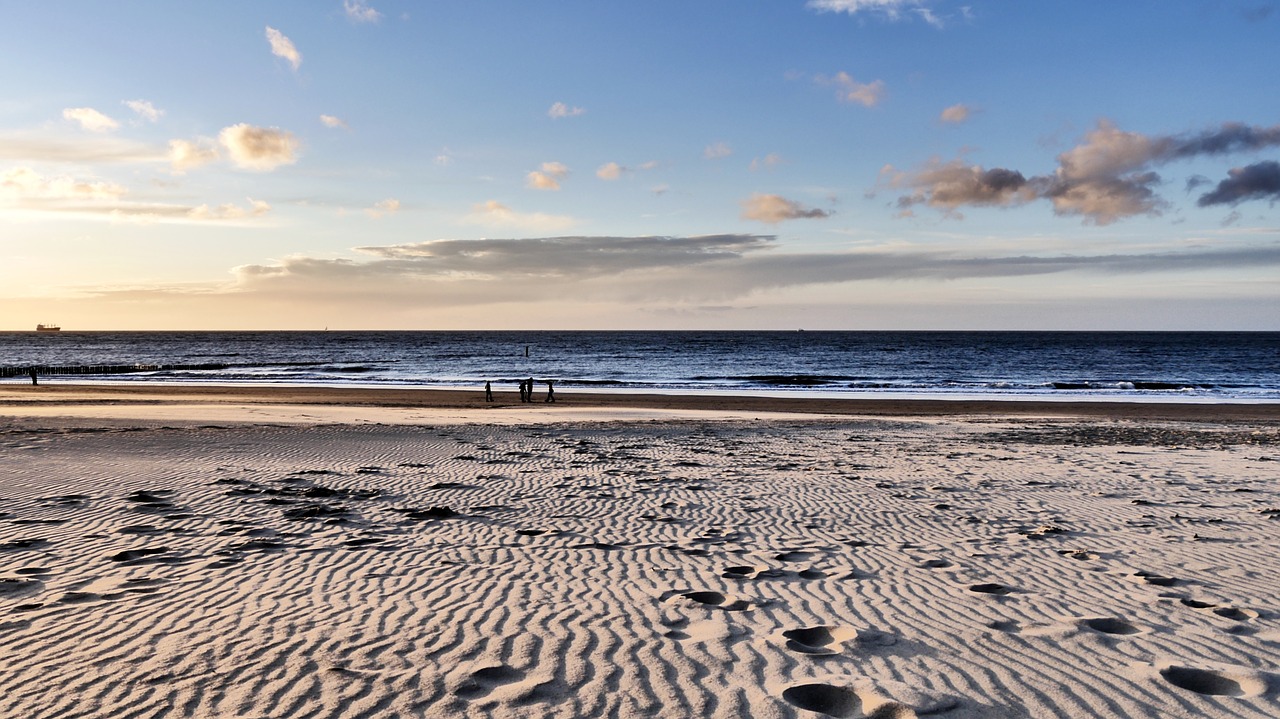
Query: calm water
(1241, 366)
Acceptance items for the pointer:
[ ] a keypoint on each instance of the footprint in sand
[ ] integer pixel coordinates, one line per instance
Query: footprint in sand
(483, 681)
(1215, 683)
(837, 701)
(1157, 579)
(1109, 625)
(715, 600)
(991, 588)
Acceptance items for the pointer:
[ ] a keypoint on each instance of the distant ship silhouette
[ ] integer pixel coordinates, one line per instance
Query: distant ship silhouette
(48, 328)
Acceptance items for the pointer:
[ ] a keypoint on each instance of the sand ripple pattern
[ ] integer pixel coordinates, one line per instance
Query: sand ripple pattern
(683, 569)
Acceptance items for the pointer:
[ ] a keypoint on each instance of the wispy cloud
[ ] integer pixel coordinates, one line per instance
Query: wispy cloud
(22, 183)
(560, 110)
(359, 11)
(144, 110)
(282, 47)
(773, 209)
(90, 119)
(717, 150)
(867, 94)
(768, 162)
(388, 206)
(186, 155)
(92, 150)
(610, 171)
(890, 9)
(496, 215)
(547, 177)
(955, 114)
(334, 122)
(1107, 177)
(259, 148)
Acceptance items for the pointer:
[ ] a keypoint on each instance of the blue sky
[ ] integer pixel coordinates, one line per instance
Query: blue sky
(839, 164)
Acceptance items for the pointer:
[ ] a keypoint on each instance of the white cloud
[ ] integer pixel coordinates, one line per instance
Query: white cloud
(259, 148)
(767, 162)
(773, 209)
(891, 9)
(90, 119)
(94, 149)
(548, 177)
(144, 110)
(717, 150)
(25, 183)
(650, 165)
(359, 11)
(228, 211)
(388, 206)
(955, 114)
(282, 46)
(610, 171)
(497, 215)
(560, 110)
(849, 90)
(334, 122)
(445, 158)
(185, 155)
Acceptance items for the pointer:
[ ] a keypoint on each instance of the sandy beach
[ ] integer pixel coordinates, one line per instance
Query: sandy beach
(315, 552)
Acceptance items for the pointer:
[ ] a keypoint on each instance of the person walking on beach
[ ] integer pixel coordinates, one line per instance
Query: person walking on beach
(523, 397)
(551, 392)
(529, 383)
(488, 391)
(33, 377)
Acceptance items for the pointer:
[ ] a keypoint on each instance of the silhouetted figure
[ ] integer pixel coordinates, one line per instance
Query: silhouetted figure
(551, 392)
(33, 376)
(488, 391)
(529, 383)
(523, 397)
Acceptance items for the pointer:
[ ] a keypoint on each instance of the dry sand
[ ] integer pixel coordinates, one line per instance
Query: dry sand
(222, 552)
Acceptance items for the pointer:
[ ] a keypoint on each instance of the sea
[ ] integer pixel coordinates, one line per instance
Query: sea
(1144, 366)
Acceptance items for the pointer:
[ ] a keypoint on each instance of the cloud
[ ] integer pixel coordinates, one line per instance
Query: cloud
(891, 9)
(1260, 181)
(334, 122)
(282, 46)
(144, 110)
(259, 148)
(560, 110)
(773, 209)
(610, 171)
(851, 91)
(445, 158)
(228, 211)
(95, 150)
(90, 119)
(359, 11)
(657, 271)
(955, 114)
(22, 183)
(548, 177)
(1109, 176)
(388, 206)
(25, 189)
(717, 150)
(185, 155)
(954, 184)
(768, 162)
(497, 215)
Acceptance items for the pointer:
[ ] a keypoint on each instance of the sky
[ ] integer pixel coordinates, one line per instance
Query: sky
(690, 164)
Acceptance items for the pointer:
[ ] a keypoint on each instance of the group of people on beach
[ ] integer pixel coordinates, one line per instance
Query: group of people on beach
(526, 391)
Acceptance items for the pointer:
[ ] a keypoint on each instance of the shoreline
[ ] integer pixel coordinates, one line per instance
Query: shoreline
(46, 399)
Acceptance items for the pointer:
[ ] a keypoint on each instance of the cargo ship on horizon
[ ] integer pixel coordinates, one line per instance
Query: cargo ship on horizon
(48, 328)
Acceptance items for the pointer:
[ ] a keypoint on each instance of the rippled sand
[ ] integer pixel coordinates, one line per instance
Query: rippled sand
(677, 565)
